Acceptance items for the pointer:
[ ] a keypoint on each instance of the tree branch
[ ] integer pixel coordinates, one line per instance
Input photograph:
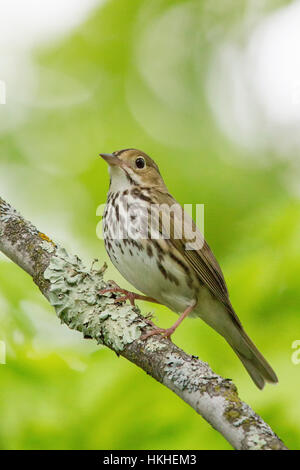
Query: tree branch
(73, 290)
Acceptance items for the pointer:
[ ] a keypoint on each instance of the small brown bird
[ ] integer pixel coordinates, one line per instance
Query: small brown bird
(157, 247)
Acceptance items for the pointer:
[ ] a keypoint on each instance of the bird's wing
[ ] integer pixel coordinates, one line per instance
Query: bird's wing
(183, 231)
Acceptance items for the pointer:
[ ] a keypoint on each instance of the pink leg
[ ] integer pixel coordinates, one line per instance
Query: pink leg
(131, 296)
(167, 333)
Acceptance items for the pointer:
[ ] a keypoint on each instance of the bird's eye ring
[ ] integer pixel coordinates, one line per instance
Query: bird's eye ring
(140, 162)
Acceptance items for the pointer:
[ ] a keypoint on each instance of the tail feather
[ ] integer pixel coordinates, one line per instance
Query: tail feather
(228, 325)
(256, 365)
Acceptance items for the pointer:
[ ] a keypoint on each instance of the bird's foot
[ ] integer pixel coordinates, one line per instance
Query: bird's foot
(167, 333)
(164, 332)
(127, 295)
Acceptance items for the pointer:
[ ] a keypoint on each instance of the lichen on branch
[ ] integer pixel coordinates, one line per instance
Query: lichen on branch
(74, 293)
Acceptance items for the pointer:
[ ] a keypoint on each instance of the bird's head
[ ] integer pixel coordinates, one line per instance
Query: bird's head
(132, 167)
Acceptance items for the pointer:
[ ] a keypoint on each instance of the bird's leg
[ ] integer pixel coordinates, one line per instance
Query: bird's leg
(167, 333)
(128, 295)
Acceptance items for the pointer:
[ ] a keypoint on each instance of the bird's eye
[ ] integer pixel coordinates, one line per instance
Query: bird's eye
(140, 162)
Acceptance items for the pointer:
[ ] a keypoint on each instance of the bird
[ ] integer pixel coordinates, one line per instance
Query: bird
(157, 248)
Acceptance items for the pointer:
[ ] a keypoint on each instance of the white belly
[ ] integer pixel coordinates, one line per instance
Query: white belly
(143, 273)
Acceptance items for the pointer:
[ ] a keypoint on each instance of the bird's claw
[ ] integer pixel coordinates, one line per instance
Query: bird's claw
(165, 333)
(127, 295)
(131, 296)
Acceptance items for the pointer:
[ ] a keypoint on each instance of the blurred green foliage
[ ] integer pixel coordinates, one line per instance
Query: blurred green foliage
(133, 76)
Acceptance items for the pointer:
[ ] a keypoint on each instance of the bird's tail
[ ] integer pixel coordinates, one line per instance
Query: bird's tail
(228, 325)
(256, 365)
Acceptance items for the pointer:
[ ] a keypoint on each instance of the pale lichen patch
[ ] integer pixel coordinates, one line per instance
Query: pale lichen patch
(255, 441)
(185, 374)
(46, 246)
(155, 345)
(74, 293)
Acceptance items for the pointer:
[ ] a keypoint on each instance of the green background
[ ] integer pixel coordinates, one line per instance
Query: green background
(133, 75)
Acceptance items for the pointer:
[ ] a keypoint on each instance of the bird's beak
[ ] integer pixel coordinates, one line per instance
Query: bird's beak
(111, 159)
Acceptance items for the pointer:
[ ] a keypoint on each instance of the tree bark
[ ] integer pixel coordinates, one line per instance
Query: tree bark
(73, 290)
